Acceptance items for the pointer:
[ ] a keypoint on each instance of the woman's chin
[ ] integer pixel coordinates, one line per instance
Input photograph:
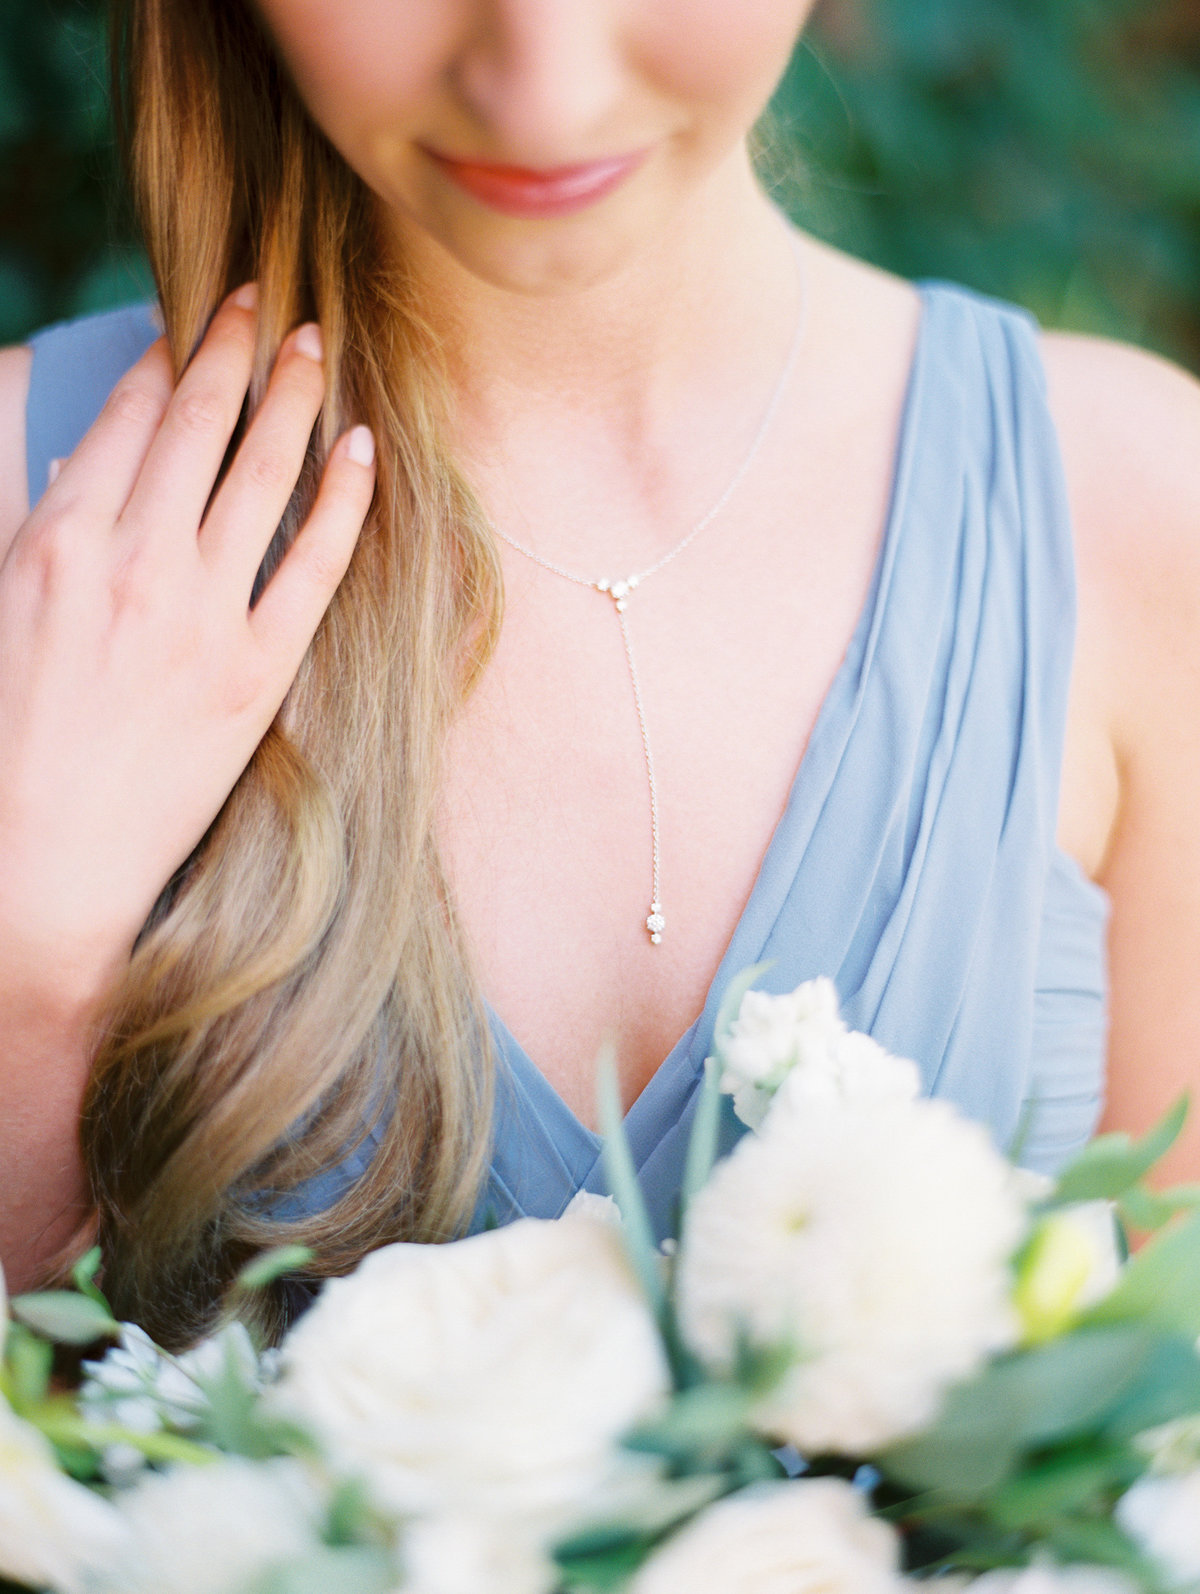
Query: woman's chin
(437, 221)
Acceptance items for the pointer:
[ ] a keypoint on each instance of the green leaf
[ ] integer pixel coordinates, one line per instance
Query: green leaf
(83, 1276)
(1100, 1543)
(603, 1571)
(1167, 1387)
(626, 1191)
(664, 1503)
(1030, 1399)
(1149, 1210)
(1160, 1287)
(28, 1364)
(1112, 1164)
(235, 1419)
(264, 1270)
(1066, 1483)
(71, 1433)
(700, 1426)
(351, 1513)
(755, 1462)
(65, 1318)
(702, 1143)
(356, 1569)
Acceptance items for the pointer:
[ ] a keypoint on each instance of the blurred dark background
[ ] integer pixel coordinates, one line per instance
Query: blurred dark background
(1047, 151)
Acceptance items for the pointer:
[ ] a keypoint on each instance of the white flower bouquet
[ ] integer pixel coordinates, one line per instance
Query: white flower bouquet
(878, 1354)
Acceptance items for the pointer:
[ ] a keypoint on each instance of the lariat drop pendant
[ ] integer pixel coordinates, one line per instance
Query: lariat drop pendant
(619, 591)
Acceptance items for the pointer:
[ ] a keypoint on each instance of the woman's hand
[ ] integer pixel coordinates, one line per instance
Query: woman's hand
(135, 680)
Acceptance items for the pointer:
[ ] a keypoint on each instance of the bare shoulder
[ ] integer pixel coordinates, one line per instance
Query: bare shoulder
(15, 367)
(1129, 427)
(1130, 430)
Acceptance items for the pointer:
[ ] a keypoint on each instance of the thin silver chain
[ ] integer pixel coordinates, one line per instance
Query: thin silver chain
(619, 591)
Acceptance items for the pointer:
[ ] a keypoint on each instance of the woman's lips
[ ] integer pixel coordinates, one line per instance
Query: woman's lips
(520, 191)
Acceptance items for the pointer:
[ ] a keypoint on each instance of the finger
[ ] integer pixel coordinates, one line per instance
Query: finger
(250, 504)
(189, 449)
(286, 617)
(104, 468)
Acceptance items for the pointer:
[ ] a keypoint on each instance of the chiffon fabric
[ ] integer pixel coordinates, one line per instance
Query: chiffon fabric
(915, 862)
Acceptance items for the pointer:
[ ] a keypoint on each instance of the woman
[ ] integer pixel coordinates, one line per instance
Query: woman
(584, 345)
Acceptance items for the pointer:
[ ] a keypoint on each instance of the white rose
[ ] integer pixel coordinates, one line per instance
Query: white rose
(797, 1045)
(493, 1375)
(468, 1555)
(53, 1531)
(587, 1204)
(1043, 1578)
(214, 1529)
(875, 1237)
(811, 1537)
(1163, 1516)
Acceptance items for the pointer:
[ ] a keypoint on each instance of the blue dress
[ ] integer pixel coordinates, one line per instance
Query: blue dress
(916, 861)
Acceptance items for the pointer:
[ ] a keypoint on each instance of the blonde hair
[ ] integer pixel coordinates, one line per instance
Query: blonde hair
(300, 991)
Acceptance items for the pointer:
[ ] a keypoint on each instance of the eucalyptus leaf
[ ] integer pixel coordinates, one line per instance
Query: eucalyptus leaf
(271, 1266)
(1032, 1398)
(1160, 1286)
(1064, 1484)
(699, 1426)
(65, 1317)
(603, 1571)
(702, 1143)
(28, 1363)
(351, 1513)
(357, 1569)
(235, 1420)
(1112, 1164)
(1102, 1544)
(1149, 1210)
(1167, 1387)
(663, 1503)
(623, 1183)
(83, 1276)
(755, 1462)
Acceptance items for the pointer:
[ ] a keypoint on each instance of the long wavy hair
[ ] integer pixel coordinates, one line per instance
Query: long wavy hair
(300, 995)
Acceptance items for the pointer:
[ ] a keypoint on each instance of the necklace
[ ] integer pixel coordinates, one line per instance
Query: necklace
(619, 592)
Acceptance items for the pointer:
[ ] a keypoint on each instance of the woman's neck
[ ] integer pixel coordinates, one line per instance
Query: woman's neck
(622, 374)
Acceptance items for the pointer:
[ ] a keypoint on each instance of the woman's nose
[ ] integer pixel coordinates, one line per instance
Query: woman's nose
(543, 76)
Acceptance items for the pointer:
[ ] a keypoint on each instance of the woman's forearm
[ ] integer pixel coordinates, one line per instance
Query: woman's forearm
(44, 1053)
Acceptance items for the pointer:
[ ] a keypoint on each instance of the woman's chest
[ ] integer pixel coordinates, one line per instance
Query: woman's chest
(548, 828)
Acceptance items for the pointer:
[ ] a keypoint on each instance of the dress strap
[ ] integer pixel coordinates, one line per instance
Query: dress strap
(76, 365)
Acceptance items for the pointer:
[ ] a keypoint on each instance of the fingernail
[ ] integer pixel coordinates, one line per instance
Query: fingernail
(308, 341)
(246, 298)
(55, 466)
(360, 446)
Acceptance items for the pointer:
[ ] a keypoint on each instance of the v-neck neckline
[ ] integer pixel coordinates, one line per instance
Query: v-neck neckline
(577, 1146)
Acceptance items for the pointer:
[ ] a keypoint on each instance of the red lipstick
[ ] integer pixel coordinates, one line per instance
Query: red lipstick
(533, 193)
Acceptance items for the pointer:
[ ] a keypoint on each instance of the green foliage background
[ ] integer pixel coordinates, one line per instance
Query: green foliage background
(1047, 151)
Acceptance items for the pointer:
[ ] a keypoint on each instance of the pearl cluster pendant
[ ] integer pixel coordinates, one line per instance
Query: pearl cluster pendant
(618, 591)
(655, 923)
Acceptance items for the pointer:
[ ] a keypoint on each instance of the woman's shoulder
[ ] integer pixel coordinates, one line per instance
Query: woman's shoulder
(52, 389)
(76, 365)
(1129, 431)
(15, 366)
